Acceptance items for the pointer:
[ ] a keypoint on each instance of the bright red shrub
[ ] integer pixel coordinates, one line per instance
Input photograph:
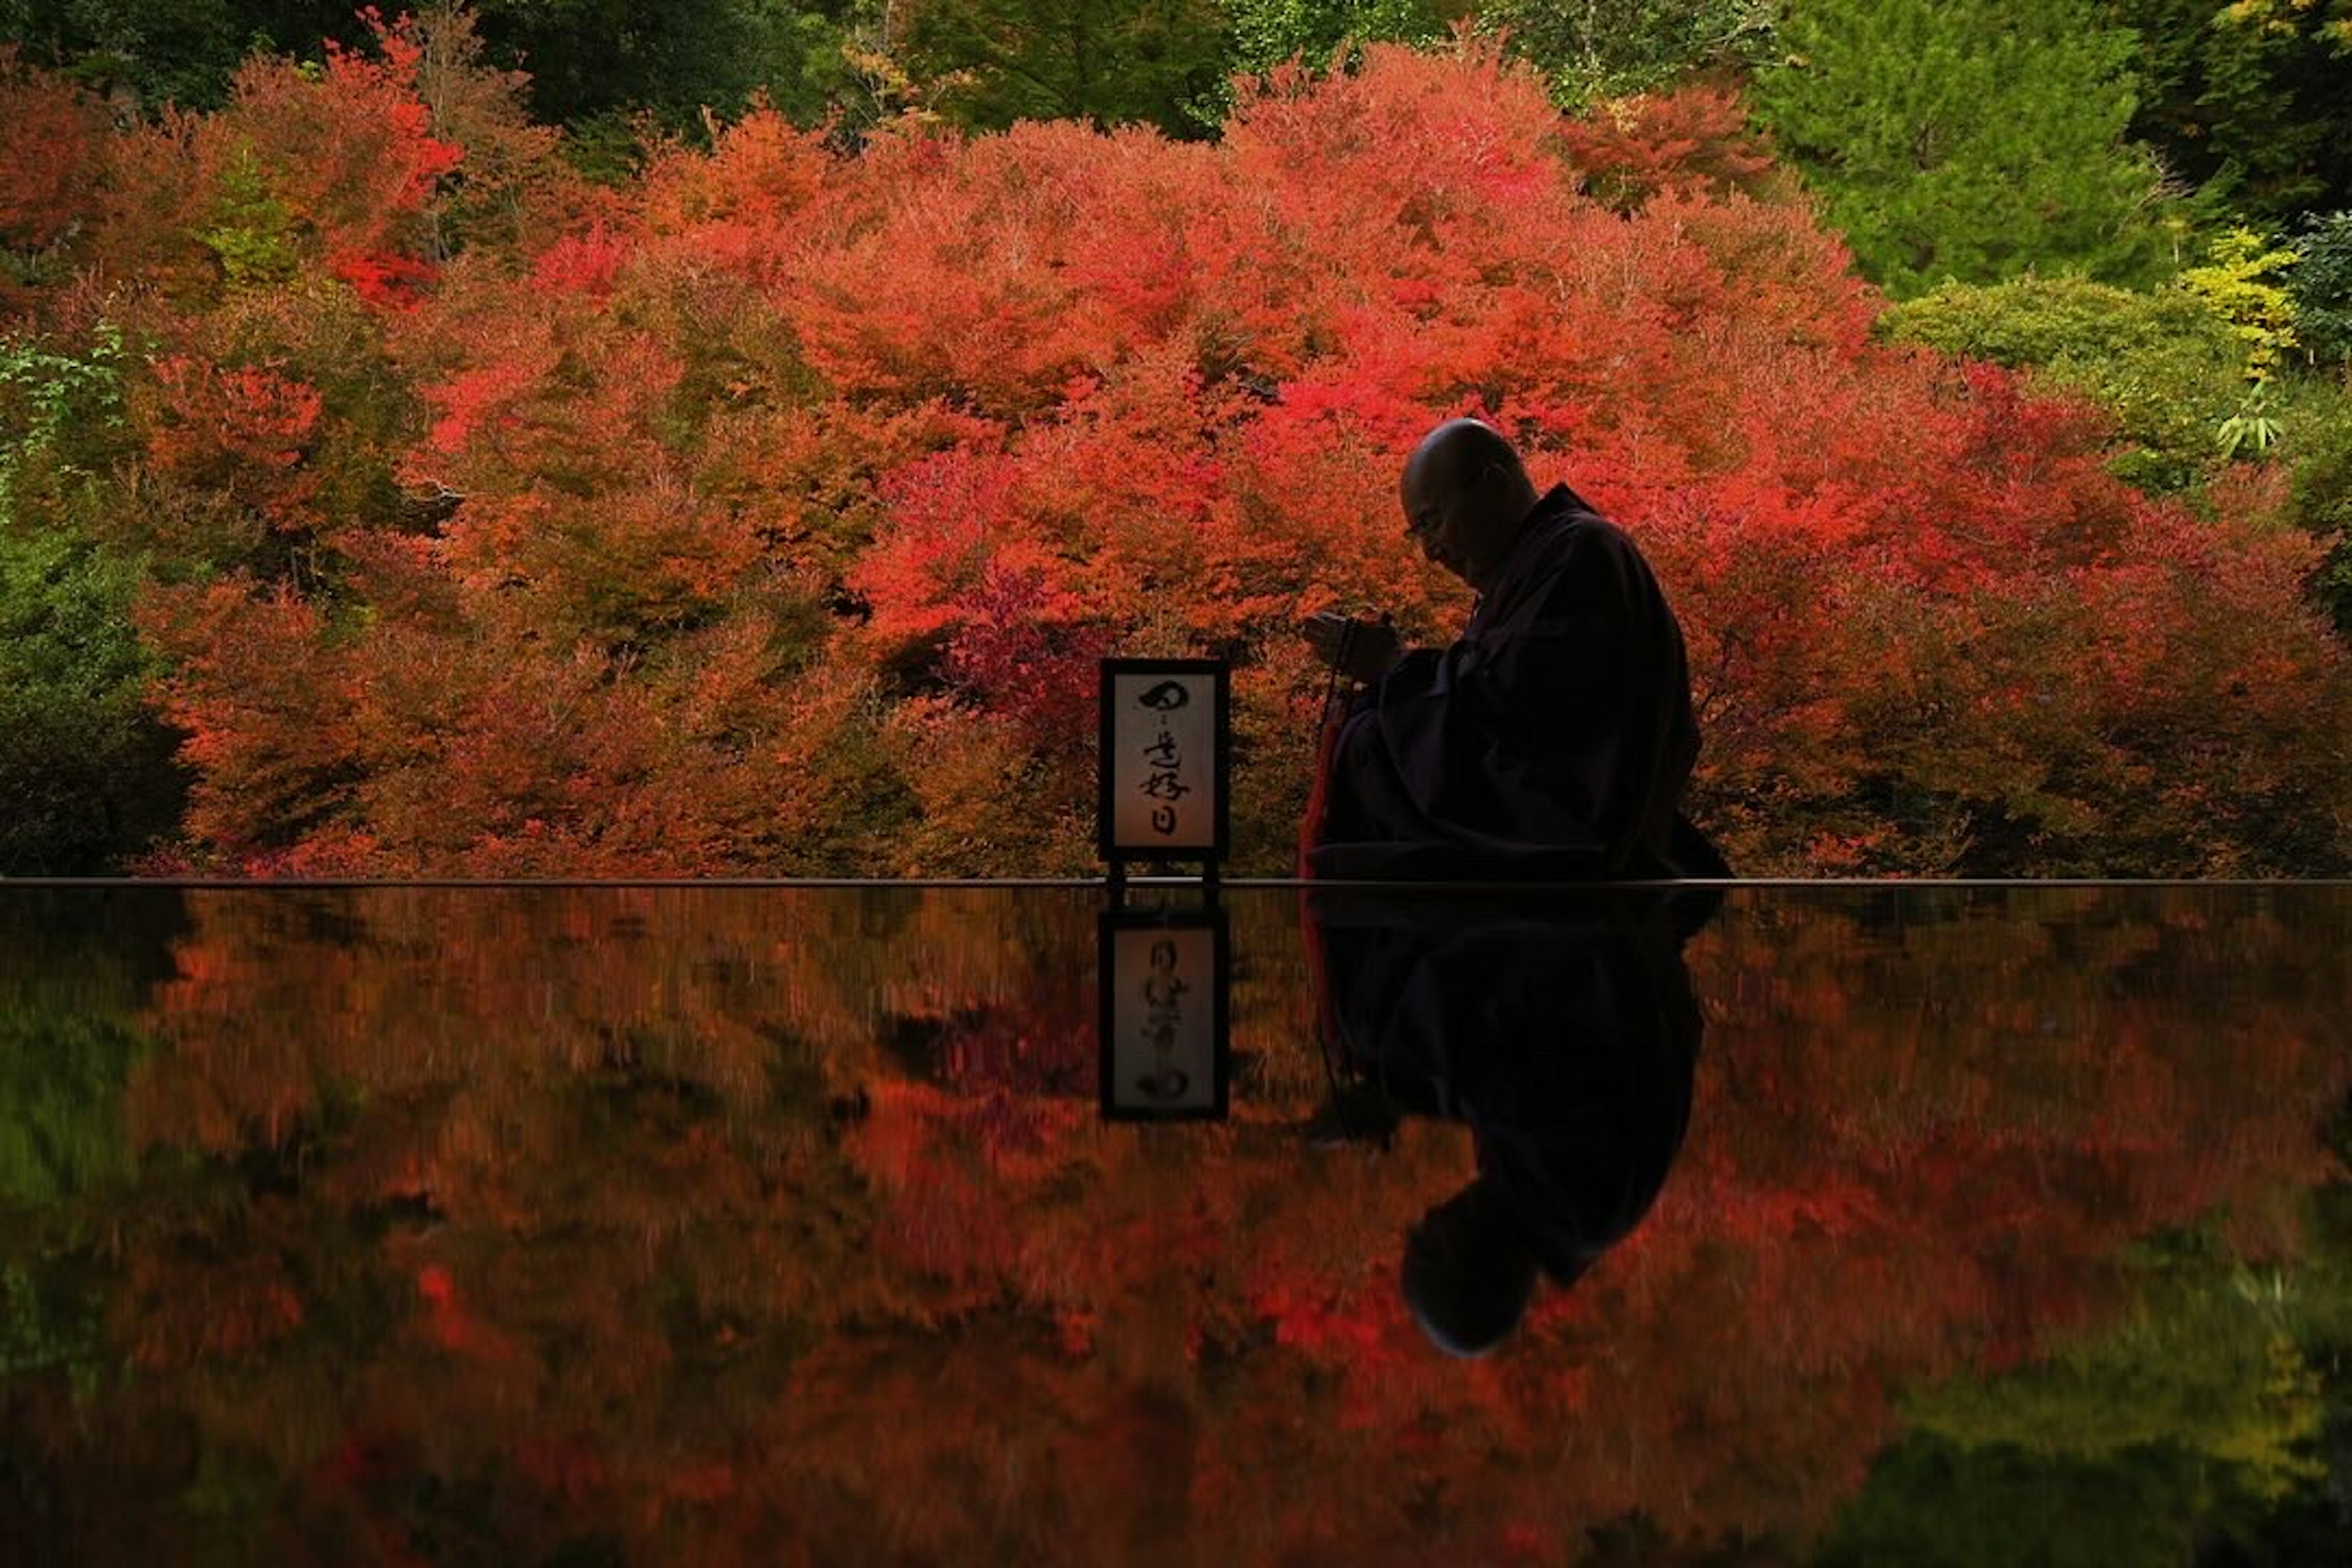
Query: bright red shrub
(782, 500)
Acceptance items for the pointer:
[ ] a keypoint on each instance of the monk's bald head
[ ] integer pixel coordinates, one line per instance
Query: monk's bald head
(1465, 493)
(1455, 452)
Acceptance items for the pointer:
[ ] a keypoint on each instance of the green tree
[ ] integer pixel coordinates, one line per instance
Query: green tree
(589, 61)
(987, 63)
(1268, 32)
(1972, 140)
(1609, 48)
(2248, 100)
(1263, 34)
(2319, 501)
(596, 59)
(2243, 283)
(2322, 285)
(86, 772)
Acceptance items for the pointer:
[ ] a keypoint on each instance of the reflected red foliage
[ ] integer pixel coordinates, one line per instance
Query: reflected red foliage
(748, 1226)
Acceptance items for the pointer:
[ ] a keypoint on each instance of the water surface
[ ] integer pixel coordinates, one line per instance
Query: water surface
(603, 1224)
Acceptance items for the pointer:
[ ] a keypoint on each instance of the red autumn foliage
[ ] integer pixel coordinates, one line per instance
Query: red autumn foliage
(50, 135)
(776, 506)
(241, 434)
(387, 282)
(1693, 138)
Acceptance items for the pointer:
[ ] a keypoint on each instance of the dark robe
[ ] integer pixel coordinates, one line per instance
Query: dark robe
(1553, 740)
(1562, 1029)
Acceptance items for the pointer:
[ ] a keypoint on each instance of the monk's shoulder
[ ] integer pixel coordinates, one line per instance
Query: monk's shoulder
(1585, 556)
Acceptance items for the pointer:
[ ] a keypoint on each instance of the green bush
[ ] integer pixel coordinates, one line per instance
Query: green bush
(2322, 287)
(86, 770)
(2174, 375)
(2318, 442)
(2162, 362)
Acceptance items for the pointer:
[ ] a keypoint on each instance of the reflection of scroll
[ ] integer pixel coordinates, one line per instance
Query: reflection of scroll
(1164, 1049)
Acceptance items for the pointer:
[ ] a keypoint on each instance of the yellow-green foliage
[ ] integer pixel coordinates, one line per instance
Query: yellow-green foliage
(252, 233)
(2243, 283)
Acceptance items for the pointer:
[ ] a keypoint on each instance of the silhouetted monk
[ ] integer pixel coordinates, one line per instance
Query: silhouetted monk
(1561, 1028)
(1554, 738)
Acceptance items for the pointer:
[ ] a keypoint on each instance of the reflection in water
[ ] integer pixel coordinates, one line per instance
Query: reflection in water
(605, 1225)
(1165, 976)
(1560, 1028)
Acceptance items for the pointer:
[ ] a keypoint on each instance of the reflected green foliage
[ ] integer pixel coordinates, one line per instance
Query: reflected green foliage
(1937, 1504)
(61, 1079)
(71, 993)
(1969, 141)
(72, 998)
(2187, 1422)
(2208, 1362)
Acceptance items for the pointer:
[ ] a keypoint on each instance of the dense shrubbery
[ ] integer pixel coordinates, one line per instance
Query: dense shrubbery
(768, 512)
(2322, 285)
(2161, 362)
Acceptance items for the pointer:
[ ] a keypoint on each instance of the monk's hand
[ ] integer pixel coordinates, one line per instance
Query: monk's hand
(1365, 650)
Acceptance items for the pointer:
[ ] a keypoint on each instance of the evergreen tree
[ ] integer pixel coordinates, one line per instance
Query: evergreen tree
(2248, 100)
(1602, 48)
(988, 63)
(1968, 139)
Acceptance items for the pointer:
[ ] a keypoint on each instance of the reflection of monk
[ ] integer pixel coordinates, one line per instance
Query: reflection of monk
(1555, 738)
(1563, 1032)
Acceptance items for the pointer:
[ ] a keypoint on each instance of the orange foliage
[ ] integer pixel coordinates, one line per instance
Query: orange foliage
(51, 135)
(1693, 138)
(777, 505)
